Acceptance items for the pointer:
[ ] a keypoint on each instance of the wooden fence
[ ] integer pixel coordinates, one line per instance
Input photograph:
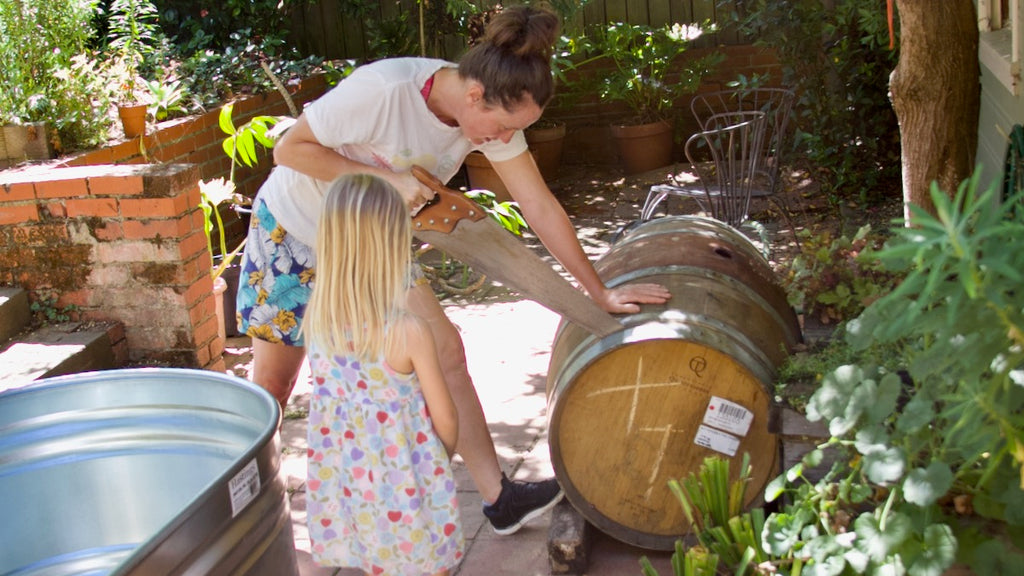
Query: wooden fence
(351, 28)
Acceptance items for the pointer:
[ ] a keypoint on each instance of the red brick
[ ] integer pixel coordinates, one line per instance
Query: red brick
(110, 230)
(151, 228)
(192, 245)
(54, 210)
(149, 208)
(91, 207)
(127, 185)
(41, 234)
(18, 213)
(17, 191)
(69, 188)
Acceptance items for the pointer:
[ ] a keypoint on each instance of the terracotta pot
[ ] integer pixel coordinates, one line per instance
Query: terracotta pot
(220, 286)
(546, 144)
(483, 177)
(644, 147)
(133, 119)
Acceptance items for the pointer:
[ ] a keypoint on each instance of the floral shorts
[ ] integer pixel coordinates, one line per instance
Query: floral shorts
(276, 280)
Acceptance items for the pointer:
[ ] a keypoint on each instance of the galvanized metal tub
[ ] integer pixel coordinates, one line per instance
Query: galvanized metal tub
(142, 471)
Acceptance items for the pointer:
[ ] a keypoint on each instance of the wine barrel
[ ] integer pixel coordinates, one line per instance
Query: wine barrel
(682, 381)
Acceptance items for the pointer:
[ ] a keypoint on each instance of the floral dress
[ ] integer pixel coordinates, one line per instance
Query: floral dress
(380, 491)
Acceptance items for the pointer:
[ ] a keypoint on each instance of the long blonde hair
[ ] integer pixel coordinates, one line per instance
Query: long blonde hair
(363, 255)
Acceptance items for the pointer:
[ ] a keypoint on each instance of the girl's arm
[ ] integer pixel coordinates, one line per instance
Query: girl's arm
(419, 345)
(549, 221)
(299, 149)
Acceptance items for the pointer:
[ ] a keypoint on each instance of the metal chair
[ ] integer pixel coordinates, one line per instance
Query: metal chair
(776, 103)
(727, 158)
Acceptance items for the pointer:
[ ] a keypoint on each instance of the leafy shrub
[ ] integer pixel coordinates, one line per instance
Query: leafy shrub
(926, 445)
(834, 278)
(48, 73)
(838, 61)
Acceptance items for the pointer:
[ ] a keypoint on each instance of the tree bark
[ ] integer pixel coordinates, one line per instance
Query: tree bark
(936, 93)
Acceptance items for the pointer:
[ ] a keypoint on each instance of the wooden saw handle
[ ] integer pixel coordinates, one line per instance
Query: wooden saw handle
(446, 209)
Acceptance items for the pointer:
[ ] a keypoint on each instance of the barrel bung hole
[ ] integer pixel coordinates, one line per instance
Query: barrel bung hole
(722, 251)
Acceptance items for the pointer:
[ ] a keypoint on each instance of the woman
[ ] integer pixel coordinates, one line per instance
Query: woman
(381, 120)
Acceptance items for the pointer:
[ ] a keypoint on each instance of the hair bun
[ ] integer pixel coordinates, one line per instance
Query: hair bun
(524, 31)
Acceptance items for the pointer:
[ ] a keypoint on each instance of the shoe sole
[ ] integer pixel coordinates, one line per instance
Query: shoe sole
(513, 528)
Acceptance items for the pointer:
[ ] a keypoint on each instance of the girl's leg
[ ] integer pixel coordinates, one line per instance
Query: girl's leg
(441, 573)
(276, 367)
(474, 444)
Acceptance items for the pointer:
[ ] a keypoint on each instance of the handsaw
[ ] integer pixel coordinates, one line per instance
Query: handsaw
(460, 227)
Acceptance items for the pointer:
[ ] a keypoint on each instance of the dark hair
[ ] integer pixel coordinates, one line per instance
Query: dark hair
(514, 56)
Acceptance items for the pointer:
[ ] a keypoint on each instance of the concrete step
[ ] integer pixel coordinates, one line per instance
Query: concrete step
(15, 313)
(29, 354)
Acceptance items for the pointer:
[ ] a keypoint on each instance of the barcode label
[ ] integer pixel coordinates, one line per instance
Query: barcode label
(244, 487)
(728, 416)
(717, 440)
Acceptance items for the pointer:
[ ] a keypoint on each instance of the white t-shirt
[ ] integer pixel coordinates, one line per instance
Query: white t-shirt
(377, 116)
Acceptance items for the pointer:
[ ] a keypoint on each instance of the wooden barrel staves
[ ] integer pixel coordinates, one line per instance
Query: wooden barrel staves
(683, 381)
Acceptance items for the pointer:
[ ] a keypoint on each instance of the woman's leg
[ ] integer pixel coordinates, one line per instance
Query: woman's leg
(474, 444)
(275, 368)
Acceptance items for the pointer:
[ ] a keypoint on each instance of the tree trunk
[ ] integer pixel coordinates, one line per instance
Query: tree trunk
(936, 93)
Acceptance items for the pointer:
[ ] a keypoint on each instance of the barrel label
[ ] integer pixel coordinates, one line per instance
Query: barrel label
(717, 440)
(728, 416)
(244, 487)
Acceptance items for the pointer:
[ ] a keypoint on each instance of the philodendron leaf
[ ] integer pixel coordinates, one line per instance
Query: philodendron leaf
(877, 543)
(923, 486)
(883, 466)
(937, 554)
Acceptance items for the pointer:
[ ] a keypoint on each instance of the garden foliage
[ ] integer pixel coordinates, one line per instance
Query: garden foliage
(927, 441)
(838, 61)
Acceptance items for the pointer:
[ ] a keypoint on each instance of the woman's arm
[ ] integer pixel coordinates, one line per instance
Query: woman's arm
(423, 353)
(549, 221)
(299, 149)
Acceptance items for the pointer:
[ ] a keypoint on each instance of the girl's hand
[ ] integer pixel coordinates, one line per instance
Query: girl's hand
(626, 299)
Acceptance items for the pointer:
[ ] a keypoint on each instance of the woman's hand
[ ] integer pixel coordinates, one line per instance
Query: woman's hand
(415, 193)
(627, 298)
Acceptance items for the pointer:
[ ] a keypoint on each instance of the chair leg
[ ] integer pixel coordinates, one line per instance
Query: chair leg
(654, 197)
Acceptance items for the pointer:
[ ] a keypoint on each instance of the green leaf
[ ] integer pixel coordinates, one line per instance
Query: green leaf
(876, 543)
(923, 486)
(888, 392)
(883, 466)
(224, 119)
(916, 415)
(938, 553)
(782, 531)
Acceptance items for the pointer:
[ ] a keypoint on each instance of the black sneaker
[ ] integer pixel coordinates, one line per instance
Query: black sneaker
(520, 502)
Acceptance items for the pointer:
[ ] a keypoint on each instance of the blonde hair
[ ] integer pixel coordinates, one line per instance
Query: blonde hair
(363, 254)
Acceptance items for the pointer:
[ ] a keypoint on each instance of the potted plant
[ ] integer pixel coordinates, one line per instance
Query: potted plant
(641, 67)
(133, 31)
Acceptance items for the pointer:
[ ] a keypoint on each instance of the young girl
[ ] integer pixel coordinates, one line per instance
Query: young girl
(380, 491)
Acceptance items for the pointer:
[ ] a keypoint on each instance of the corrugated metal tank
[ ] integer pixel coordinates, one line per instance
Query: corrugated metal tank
(150, 471)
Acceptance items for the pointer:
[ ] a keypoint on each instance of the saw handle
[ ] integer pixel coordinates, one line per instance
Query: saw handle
(446, 209)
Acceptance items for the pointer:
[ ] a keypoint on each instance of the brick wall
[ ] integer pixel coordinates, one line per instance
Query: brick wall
(118, 231)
